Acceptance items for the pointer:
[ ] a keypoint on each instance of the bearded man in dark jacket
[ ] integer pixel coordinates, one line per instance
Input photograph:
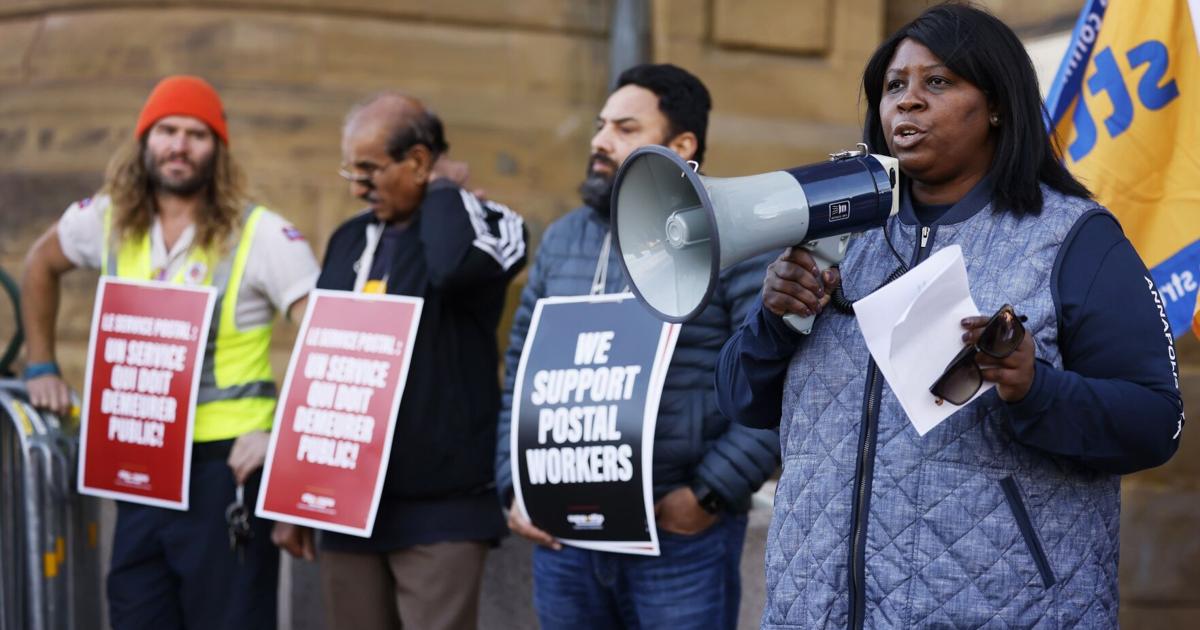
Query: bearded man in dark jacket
(705, 468)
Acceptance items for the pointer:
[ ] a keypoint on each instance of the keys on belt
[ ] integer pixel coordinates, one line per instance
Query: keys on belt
(237, 516)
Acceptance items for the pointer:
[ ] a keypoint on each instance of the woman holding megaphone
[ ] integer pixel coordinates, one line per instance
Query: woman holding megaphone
(1007, 512)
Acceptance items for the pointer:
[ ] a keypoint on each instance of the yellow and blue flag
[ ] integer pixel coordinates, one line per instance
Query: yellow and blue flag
(1126, 107)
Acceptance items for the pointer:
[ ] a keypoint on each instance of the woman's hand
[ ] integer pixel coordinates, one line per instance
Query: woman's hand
(1013, 375)
(794, 285)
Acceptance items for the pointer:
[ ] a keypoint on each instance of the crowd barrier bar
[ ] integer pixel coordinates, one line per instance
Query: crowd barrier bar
(49, 549)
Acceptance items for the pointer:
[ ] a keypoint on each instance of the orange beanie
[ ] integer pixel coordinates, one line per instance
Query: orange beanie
(182, 95)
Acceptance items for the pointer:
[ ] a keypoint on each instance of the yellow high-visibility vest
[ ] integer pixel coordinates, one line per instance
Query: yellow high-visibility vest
(237, 391)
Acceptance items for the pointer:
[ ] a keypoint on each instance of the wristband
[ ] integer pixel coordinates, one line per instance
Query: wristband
(34, 370)
(709, 501)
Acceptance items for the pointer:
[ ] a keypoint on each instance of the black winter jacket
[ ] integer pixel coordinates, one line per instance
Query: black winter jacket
(459, 255)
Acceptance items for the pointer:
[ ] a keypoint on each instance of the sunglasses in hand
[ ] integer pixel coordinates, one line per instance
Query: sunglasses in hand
(962, 378)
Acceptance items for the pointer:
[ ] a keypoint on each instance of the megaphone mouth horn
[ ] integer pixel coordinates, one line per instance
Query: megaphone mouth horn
(663, 219)
(675, 229)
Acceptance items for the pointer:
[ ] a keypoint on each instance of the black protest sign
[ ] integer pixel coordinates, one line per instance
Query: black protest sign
(584, 409)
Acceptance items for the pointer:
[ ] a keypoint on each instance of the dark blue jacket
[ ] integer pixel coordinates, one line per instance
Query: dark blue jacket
(693, 442)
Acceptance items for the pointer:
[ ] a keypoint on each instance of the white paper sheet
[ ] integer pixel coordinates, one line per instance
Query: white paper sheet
(912, 329)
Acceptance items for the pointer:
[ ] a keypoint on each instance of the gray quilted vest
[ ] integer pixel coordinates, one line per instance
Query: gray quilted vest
(877, 527)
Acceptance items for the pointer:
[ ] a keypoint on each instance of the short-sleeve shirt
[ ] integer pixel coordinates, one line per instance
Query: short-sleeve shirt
(280, 269)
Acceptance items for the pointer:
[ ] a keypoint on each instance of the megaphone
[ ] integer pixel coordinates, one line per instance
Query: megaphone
(676, 230)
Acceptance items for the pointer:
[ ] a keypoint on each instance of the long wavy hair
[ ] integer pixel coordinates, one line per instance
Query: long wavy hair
(129, 186)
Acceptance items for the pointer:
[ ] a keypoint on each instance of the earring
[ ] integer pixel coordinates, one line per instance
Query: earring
(994, 119)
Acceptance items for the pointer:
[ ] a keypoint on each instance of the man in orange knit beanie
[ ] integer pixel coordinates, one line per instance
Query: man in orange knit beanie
(184, 95)
(175, 209)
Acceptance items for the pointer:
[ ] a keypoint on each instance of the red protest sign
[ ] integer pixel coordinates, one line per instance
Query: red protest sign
(337, 413)
(143, 370)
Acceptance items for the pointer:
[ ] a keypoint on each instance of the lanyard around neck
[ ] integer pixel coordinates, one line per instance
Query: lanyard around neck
(363, 266)
(600, 277)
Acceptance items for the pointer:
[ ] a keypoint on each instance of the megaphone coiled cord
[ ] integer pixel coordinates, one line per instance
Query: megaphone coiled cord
(845, 305)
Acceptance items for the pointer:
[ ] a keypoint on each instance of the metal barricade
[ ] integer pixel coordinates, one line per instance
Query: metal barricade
(49, 547)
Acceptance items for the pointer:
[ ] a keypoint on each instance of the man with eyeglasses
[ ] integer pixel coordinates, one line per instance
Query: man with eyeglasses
(422, 235)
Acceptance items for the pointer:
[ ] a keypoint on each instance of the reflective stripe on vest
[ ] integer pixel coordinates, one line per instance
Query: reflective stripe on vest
(237, 391)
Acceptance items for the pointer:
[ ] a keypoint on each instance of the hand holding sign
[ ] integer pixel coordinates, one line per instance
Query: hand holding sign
(297, 540)
(520, 525)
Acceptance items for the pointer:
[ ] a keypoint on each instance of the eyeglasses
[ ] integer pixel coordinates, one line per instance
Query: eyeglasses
(962, 378)
(365, 175)
(362, 175)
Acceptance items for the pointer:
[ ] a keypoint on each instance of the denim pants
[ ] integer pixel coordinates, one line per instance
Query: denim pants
(695, 583)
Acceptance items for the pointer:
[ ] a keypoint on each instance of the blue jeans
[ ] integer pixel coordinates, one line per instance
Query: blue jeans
(695, 583)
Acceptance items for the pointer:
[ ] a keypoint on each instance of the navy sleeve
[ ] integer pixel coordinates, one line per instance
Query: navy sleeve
(738, 462)
(469, 242)
(752, 367)
(1115, 406)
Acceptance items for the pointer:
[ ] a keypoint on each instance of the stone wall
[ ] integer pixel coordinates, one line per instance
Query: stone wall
(1027, 17)
(1160, 555)
(518, 84)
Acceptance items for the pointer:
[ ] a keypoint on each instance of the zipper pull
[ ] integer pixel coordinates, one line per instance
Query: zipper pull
(924, 236)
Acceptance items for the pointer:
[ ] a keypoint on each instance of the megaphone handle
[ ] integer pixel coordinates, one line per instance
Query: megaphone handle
(827, 252)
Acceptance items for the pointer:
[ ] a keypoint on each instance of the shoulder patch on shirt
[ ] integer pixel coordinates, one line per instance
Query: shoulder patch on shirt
(292, 234)
(84, 203)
